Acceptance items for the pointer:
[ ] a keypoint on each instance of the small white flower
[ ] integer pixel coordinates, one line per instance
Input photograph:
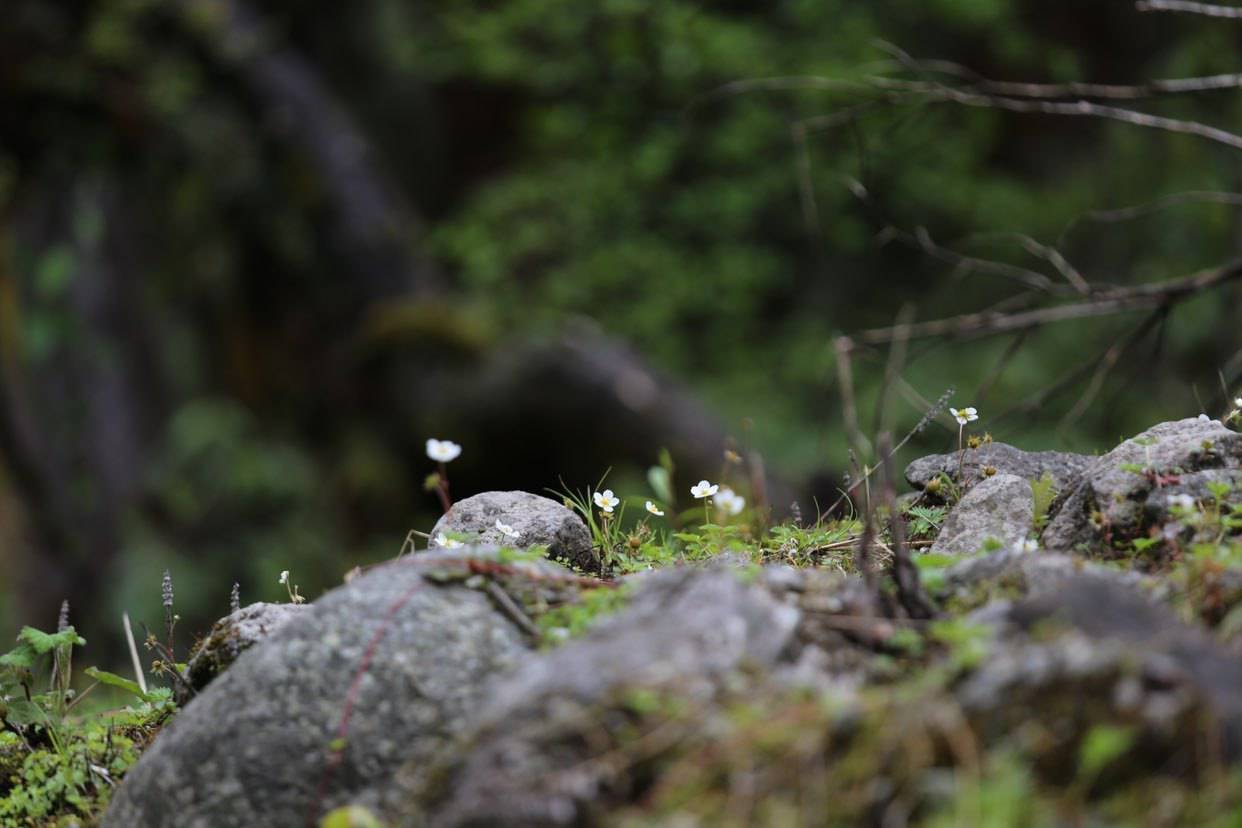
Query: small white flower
(703, 489)
(507, 530)
(964, 415)
(654, 509)
(1203, 418)
(445, 542)
(284, 576)
(442, 451)
(1027, 545)
(730, 502)
(1237, 402)
(1182, 501)
(606, 501)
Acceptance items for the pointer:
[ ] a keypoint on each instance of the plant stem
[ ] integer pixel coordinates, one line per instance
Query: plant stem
(442, 489)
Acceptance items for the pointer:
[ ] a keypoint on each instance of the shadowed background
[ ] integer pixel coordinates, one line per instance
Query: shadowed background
(254, 252)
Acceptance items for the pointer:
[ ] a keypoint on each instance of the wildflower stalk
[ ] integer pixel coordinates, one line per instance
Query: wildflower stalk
(442, 489)
(170, 620)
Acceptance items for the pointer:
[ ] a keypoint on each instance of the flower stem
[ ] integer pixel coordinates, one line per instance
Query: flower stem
(961, 451)
(442, 489)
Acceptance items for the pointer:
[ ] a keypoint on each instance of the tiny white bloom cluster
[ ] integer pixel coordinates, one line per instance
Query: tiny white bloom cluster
(1027, 545)
(654, 509)
(964, 415)
(507, 530)
(442, 451)
(730, 502)
(284, 576)
(606, 501)
(445, 542)
(703, 489)
(1182, 501)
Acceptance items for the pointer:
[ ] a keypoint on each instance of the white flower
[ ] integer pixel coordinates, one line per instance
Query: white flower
(445, 542)
(1182, 501)
(507, 530)
(1237, 402)
(1027, 545)
(606, 501)
(964, 415)
(1203, 418)
(730, 502)
(703, 489)
(284, 576)
(442, 451)
(654, 509)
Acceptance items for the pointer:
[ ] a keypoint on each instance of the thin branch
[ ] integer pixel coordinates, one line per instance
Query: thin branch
(1187, 7)
(1073, 89)
(1051, 255)
(1011, 351)
(1102, 303)
(934, 92)
(1105, 364)
(1135, 211)
(922, 240)
(905, 574)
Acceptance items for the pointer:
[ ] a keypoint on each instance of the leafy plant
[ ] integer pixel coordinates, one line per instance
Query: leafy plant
(1044, 492)
(925, 521)
(54, 763)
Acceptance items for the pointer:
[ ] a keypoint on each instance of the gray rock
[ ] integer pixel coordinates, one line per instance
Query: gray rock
(400, 653)
(689, 632)
(1110, 500)
(1015, 573)
(999, 508)
(1123, 652)
(231, 636)
(1063, 467)
(540, 520)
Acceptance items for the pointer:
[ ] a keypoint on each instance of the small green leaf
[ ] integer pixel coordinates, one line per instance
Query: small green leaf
(113, 680)
(1102, 745)
(661, 483)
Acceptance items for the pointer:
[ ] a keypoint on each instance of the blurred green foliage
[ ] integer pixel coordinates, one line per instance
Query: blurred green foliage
(571, 159)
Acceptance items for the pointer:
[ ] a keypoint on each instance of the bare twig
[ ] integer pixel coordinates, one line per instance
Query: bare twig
(1106, 363)
(1103, 303)
(905, 574)
(511, 609)
(922, 240)
(1135, 211)
(936, 92)
(1051, 255)
(1187, 7)
(133, 652)
(1024, 89)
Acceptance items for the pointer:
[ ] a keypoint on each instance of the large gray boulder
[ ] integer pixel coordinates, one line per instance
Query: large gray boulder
(1110, 503)
(392, 665)
(998, 510)
(1063, 467)
(540, 521)
(687, 632)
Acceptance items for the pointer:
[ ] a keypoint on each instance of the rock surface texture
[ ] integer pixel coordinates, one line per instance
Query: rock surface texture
(996, 510)
(687, 633)
(1110, 502)
(540, 521)
(231, 636)
(1006, 459)
(395, 662)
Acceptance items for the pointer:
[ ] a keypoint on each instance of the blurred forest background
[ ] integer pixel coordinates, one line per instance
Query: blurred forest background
(254, 252)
